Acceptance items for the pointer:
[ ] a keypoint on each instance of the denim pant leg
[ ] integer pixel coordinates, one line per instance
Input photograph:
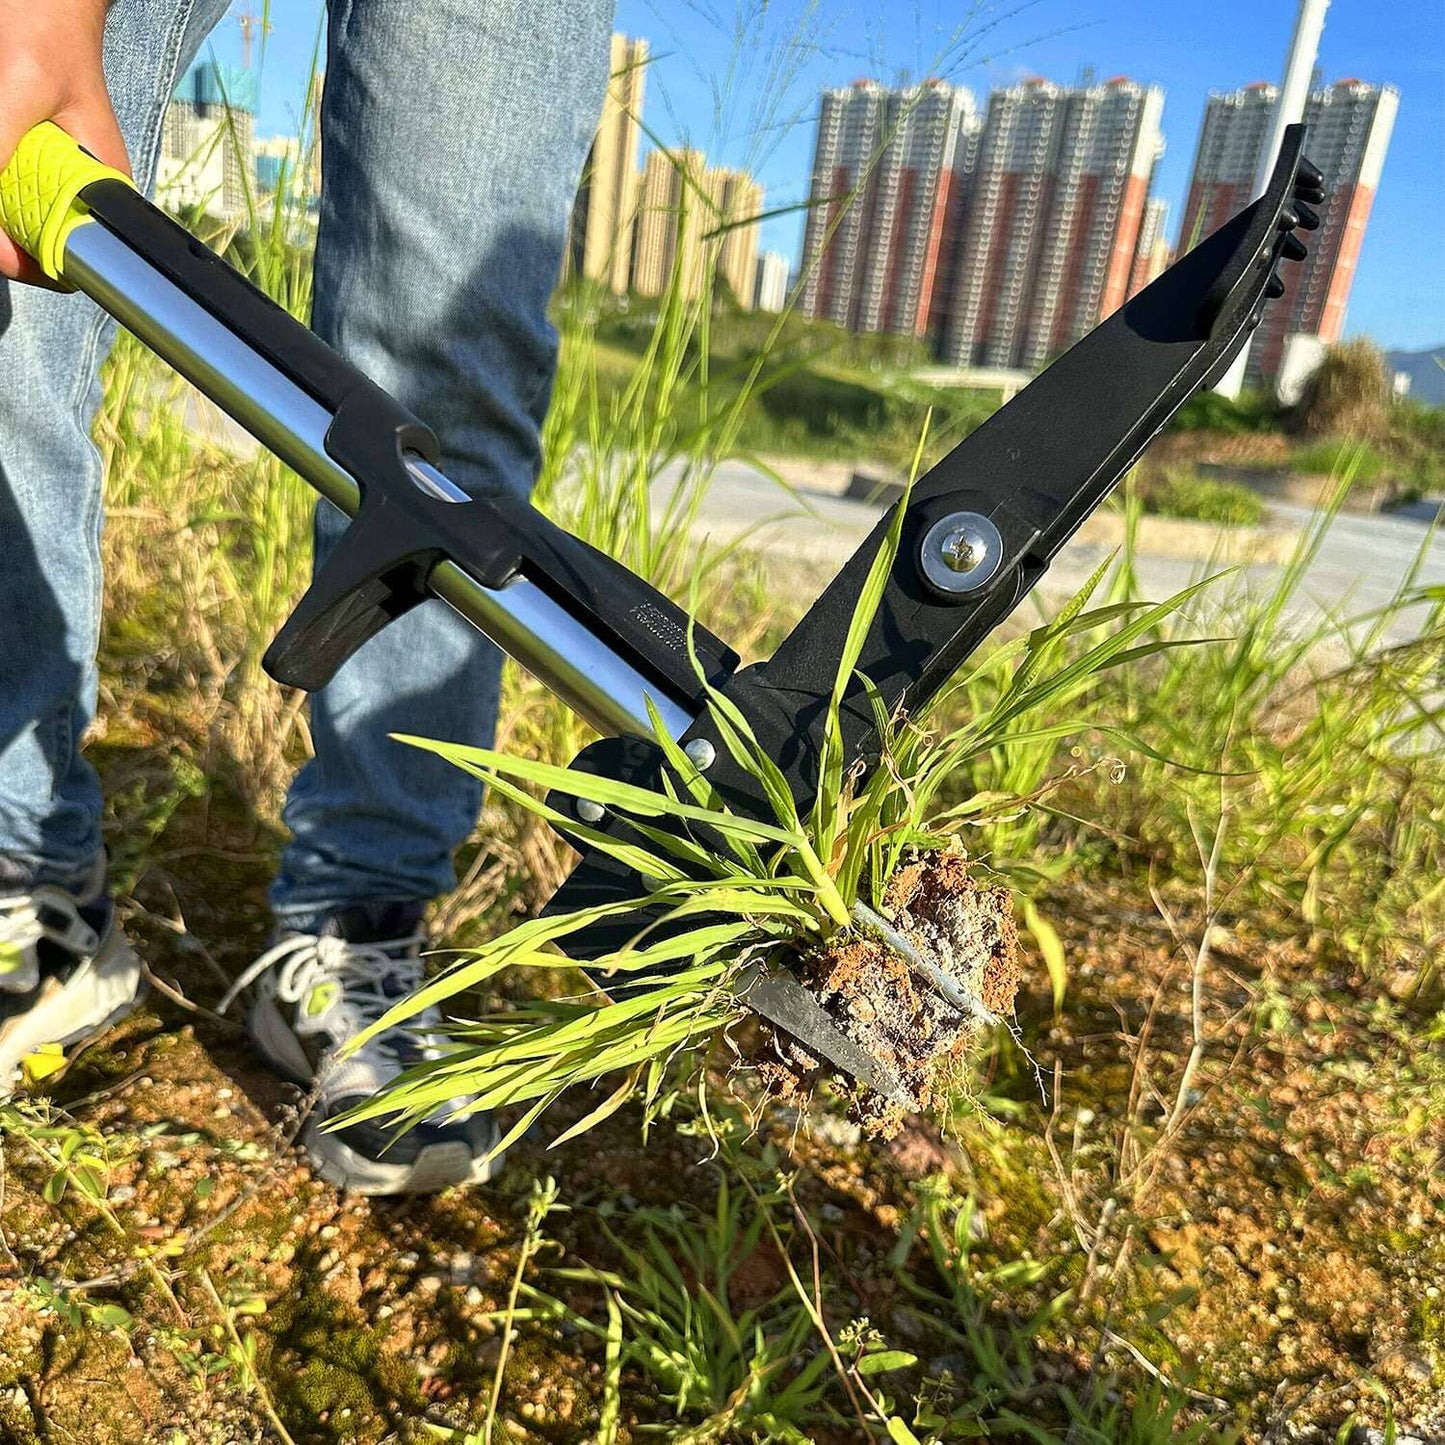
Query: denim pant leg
(50, 496)
(453, 135)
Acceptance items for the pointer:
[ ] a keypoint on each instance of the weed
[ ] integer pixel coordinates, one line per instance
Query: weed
(1349, 394)
(686, 1309)
(1277, 771)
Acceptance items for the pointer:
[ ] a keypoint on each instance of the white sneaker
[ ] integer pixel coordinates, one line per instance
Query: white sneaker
(312, 993)
(66, 971)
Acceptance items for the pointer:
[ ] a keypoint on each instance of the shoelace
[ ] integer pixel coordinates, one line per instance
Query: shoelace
(372, 976)
(19, 920)
(22, 926)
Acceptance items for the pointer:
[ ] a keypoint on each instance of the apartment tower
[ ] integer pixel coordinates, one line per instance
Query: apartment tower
(1236, 126)
(1349, 125)
(772, 283)
(1058, 201)
(890, 172)
(1349, 133)
(207, 140)
(740, 201)
(1152, 252)
(600, 242)
(680, 204)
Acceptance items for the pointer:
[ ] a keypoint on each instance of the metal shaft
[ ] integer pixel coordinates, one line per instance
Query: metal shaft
(521, 619)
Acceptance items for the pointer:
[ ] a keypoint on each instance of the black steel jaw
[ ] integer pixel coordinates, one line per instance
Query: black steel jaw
(981, 529)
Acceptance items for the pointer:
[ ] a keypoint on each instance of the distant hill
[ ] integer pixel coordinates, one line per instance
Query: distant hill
(1426, 370)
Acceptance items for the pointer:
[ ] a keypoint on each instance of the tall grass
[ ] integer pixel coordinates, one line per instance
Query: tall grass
(1286, 762)
(999, 761)
(219, 540)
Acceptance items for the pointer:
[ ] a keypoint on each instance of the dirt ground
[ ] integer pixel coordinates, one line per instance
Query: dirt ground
(1281, 1251)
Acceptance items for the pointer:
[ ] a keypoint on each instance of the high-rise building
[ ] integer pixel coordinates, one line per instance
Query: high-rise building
(600, 241)
(846, 149)
(1349, 133)
(677, 207)
(206, 141)
(889, 172)
(1058, 199)
(684, 212)
(740, 201)
(1152, 252)
(655, 232)
(1349, 125)
(1236, 126)
(772, 288)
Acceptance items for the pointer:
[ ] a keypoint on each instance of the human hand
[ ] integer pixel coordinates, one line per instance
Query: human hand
(50, 69)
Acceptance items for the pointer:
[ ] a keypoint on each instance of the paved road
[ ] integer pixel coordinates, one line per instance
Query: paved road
(1359, 565)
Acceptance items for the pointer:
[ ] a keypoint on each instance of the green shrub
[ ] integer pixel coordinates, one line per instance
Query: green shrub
(1211, 411)
(1181, 493)
(1415, 421)
(1333, 457)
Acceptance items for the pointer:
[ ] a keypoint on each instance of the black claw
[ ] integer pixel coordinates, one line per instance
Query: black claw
(1293, 249)
(1288, 217)
(1311, 195)
(1275, 288)
(1309, 174)
(1309, 218)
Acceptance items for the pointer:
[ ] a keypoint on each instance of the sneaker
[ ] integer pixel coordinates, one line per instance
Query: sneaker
(314, 992)
(66, 971)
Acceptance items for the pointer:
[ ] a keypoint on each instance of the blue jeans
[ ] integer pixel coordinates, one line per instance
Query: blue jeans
(453, 134)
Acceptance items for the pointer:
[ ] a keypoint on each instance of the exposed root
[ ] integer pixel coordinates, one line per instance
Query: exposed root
(967, 929)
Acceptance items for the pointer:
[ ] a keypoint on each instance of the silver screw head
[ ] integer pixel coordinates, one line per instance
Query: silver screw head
(962, 550)
(590, 812)
(701, 754)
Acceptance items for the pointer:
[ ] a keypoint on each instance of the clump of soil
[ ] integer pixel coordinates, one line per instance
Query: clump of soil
(882, 1003)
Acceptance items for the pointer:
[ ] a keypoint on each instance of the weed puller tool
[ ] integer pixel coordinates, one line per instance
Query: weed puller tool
(979, 530)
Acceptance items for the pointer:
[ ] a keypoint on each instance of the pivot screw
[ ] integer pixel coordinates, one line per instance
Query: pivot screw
(960, 553)
(701, 754)
(961, 550)
(590, 812)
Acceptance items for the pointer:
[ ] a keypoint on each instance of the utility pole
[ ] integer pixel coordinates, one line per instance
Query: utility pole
(1289, 107)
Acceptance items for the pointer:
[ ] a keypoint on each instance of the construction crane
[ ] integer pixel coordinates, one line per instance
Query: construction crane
(250, 25)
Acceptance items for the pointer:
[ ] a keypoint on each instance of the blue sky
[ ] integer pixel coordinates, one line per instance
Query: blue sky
(739, 79)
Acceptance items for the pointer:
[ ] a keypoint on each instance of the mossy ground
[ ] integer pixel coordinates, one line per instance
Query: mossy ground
(1276, 1247)
(1288, 1251)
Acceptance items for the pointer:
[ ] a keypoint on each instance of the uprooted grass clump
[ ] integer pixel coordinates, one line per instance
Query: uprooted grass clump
(876, 995)
(721, 895)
